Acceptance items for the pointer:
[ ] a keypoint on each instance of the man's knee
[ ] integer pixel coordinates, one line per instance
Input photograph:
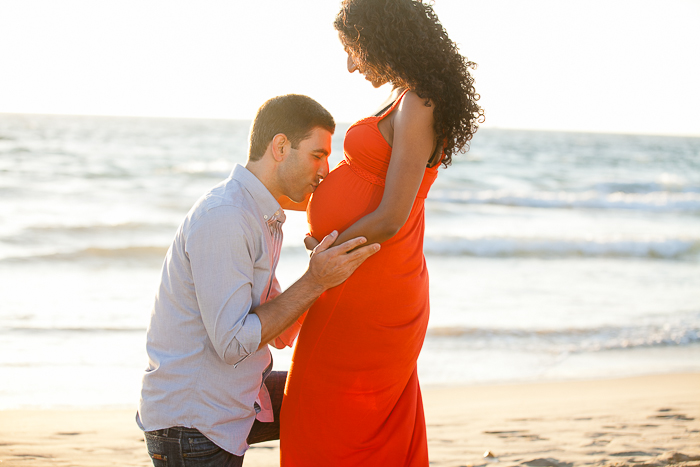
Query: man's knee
(275, 383)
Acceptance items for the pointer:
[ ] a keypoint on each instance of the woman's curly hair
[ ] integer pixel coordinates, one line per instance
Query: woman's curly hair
(403, 42)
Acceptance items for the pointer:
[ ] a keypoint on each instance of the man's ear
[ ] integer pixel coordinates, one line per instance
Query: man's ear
(280, 146)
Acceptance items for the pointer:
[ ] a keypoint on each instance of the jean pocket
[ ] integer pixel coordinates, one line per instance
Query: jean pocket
(156, 446)
(199, 446)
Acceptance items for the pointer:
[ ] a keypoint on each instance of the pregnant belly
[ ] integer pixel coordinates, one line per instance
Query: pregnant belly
(340, 200)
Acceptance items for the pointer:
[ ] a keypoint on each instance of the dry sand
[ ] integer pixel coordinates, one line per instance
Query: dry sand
(641, 421)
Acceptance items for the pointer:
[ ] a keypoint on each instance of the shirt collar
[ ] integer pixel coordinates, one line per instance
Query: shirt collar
(269, 207)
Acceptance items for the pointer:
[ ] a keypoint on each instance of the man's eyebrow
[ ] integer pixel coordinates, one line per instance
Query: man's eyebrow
(322, 151)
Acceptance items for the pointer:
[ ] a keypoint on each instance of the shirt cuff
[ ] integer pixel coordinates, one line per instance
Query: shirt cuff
(247, 339)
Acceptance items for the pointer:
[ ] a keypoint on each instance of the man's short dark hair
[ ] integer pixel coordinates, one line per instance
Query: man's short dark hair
(293, 115)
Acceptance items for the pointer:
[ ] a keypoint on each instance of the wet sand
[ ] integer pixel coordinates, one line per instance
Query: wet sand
(641, 421)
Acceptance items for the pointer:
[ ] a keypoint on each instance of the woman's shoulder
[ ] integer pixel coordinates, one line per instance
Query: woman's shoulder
(414, 96)
(415, 106)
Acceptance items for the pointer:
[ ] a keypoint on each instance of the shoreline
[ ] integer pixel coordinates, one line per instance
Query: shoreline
(641, 420)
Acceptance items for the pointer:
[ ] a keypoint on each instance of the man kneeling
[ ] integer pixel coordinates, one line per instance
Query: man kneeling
(208, 391)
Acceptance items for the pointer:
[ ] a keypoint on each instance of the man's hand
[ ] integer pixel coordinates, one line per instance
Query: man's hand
(330, 267)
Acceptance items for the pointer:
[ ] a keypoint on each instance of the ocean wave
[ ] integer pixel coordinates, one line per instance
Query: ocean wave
(72, 330)
(145, 254)
(571, 340)
(218, 168)
(137, 253)
(102, 228)
(656, 201)
(485, 247)
(662, 248)
(666, 181)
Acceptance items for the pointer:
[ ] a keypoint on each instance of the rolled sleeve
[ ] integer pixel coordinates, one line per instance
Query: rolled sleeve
(246, 341)
(220, 247)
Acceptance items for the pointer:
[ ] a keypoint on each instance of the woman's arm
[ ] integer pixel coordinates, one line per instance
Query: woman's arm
(413, 144)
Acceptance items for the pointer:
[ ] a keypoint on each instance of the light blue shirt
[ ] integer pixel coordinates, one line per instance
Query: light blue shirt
(204, 369)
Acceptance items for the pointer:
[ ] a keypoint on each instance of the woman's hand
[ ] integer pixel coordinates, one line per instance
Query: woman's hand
(310, 243)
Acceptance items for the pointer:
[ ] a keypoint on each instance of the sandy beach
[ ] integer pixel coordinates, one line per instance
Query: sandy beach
(640, 421)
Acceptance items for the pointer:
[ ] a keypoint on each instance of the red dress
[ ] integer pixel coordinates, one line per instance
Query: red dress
(352, 395)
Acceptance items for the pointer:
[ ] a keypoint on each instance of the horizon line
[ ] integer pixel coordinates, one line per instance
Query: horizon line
(551, 130)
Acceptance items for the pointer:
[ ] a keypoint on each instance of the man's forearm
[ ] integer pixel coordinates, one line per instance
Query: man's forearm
(281, 312)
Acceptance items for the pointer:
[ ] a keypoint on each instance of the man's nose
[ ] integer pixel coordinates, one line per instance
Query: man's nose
(323, 170)
(351, 64)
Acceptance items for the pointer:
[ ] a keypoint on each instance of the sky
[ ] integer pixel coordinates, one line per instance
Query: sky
(596, 65)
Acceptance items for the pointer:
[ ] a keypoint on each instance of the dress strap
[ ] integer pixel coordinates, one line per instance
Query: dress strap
(393, 106)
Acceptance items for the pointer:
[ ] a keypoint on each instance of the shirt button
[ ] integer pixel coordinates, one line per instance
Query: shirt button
(277, 213)
(265, 217)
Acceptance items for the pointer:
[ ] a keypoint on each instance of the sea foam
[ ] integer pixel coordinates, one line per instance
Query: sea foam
(657, 201)
(572, 340)
(666, 248)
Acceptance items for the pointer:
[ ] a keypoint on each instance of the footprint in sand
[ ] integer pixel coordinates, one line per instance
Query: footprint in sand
(548, 462)
(516, 434)
(598, 442)
(666, 414)
(632, 454)
(674, 416)
(677, 458)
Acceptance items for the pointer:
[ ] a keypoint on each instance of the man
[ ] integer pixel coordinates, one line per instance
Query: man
(206, 394)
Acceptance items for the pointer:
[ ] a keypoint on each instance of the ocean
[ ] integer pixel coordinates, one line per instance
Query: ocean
(552, 256)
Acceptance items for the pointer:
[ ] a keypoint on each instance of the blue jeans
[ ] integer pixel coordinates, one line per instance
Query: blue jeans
(187, 447)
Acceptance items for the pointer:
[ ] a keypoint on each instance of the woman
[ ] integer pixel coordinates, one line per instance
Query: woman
(352, 395)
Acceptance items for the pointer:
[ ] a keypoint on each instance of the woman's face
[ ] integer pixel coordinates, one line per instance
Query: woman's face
(368, 72)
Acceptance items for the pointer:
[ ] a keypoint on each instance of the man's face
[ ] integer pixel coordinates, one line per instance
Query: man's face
(304, 168)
